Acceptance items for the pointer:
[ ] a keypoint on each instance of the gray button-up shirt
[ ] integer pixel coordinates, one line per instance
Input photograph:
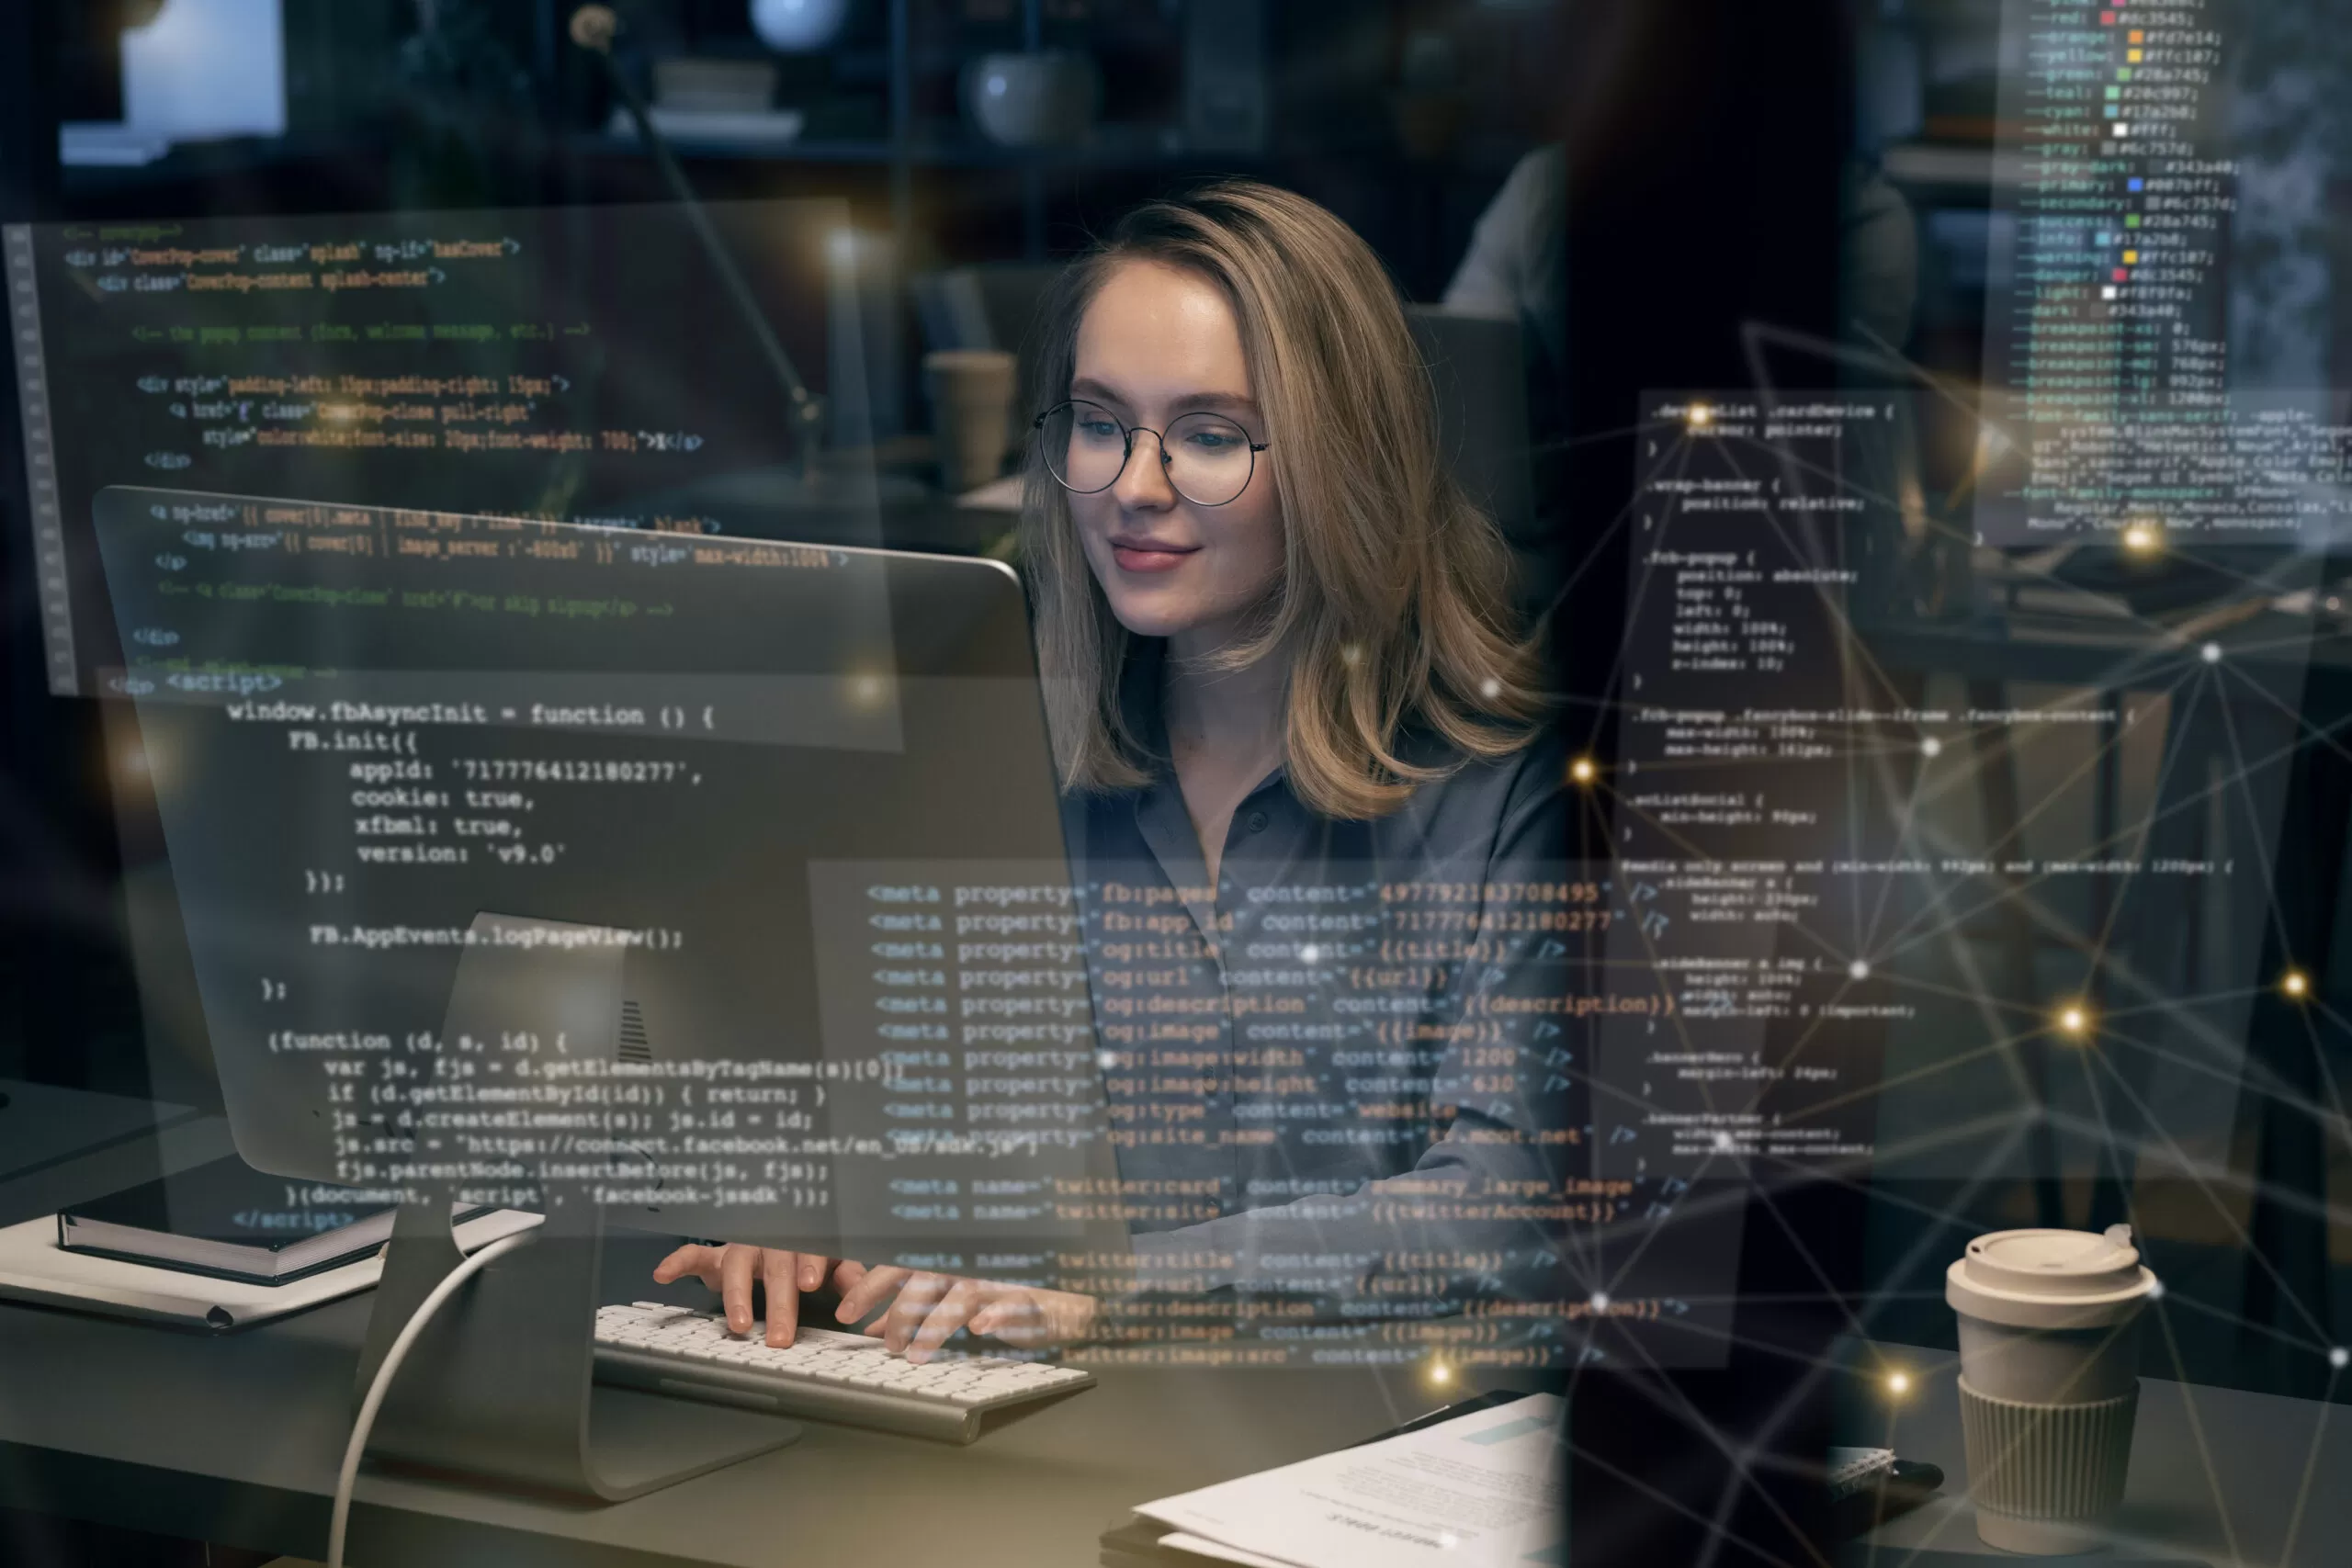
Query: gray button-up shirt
(1347, 1066)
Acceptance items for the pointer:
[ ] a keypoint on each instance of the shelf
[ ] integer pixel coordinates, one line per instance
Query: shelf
(949, 154)
(1953, 166)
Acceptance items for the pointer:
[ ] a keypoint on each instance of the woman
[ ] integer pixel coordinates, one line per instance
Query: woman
(1284, 695)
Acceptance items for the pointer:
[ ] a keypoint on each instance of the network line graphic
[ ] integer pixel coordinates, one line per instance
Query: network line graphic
(2003, 882)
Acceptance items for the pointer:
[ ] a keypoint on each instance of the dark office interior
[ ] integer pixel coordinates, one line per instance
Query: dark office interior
(2100, 981)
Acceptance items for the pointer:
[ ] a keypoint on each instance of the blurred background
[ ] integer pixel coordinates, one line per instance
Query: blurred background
(1584, 203)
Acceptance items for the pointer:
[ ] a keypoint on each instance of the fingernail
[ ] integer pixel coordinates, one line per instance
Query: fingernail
(844, 1313)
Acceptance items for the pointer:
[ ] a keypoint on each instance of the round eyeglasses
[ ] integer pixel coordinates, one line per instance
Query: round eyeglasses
(1208, 457)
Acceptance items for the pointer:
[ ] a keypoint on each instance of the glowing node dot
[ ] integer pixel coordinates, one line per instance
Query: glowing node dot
(2339, 1357)
(1350, 654)
(1932, 747)
(2142, 538)
(2210, 653)
(1582, 770)
(2295, 983)
(1439, 1372)
(1490, 688)
(1701, 414)
(1310, 953)
(1448, 1539)
(1723, 1143)
(1898, 1382)
(1601, 1301)
(2156, 1290)
(1106, 1059)
(1859, 969)
(2074, 1020)
(2334, 603)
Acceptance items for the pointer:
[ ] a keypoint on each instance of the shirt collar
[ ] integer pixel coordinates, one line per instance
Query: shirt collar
(1141, 677)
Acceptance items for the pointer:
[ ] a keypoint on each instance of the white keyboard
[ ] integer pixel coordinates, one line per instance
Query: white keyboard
(825, 1374)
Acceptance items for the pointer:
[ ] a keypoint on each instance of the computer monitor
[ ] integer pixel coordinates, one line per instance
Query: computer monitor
(517, 361)
(648, 877)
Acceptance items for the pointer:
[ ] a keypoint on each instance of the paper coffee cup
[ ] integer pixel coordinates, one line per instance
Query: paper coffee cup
(2049, 1352)
(971, 403)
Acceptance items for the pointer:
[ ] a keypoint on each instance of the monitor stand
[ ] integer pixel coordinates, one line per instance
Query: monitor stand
(502, 1386)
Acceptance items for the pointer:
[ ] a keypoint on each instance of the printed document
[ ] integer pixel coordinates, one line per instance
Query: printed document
(1484, 1490)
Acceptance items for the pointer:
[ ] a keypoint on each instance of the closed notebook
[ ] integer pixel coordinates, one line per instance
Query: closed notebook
(227, 1220)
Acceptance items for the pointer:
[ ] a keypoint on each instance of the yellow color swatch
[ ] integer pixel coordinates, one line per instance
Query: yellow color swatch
(2131, 257)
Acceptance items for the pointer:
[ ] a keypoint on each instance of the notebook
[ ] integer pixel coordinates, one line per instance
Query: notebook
(228, 1221)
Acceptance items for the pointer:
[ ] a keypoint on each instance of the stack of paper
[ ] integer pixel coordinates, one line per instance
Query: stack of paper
(1480, 1492)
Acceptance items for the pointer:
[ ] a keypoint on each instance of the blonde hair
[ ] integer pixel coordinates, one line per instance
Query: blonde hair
(1392, 604)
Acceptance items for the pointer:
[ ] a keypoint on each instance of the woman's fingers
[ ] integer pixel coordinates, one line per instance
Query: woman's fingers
(738, 1265)
(954, 1309)
(869, 1290)
(733, 1269)
(1029, 1318)
(912, 1304)
(925, 1310)
(1014, 1318)
(702, 1262)
(783, 1273)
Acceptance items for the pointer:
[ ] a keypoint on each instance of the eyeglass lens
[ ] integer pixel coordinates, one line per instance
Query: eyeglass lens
(1207, 456)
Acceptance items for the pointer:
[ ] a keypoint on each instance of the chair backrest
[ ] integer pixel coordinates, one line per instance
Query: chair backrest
(1477, 366)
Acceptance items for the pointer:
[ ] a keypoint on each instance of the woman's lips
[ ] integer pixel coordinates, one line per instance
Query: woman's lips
(1149, 555)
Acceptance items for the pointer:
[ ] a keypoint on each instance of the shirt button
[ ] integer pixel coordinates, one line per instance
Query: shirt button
(1256, 821)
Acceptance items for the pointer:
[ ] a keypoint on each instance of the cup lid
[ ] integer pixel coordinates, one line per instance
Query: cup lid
(2051, 1278)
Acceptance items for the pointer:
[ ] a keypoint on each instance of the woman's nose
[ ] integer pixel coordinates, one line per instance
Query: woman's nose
(1144, 481)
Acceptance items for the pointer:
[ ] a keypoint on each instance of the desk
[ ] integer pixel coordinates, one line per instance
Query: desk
(2233, 1506)
(236, 1439)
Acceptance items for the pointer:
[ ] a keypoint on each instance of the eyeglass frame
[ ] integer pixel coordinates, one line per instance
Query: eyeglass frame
(1129, 433)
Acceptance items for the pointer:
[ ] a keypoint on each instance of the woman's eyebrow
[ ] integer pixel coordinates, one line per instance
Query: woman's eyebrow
(1221, 402)
(1086, 387)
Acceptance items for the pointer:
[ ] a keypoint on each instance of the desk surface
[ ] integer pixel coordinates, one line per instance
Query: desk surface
(236, 1439)
(2215, 1476)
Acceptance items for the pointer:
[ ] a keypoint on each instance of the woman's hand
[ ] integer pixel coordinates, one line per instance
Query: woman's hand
(926, 1308)
(730, 1269)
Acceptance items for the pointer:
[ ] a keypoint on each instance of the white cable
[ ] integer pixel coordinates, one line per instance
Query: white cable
(349, 1478)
